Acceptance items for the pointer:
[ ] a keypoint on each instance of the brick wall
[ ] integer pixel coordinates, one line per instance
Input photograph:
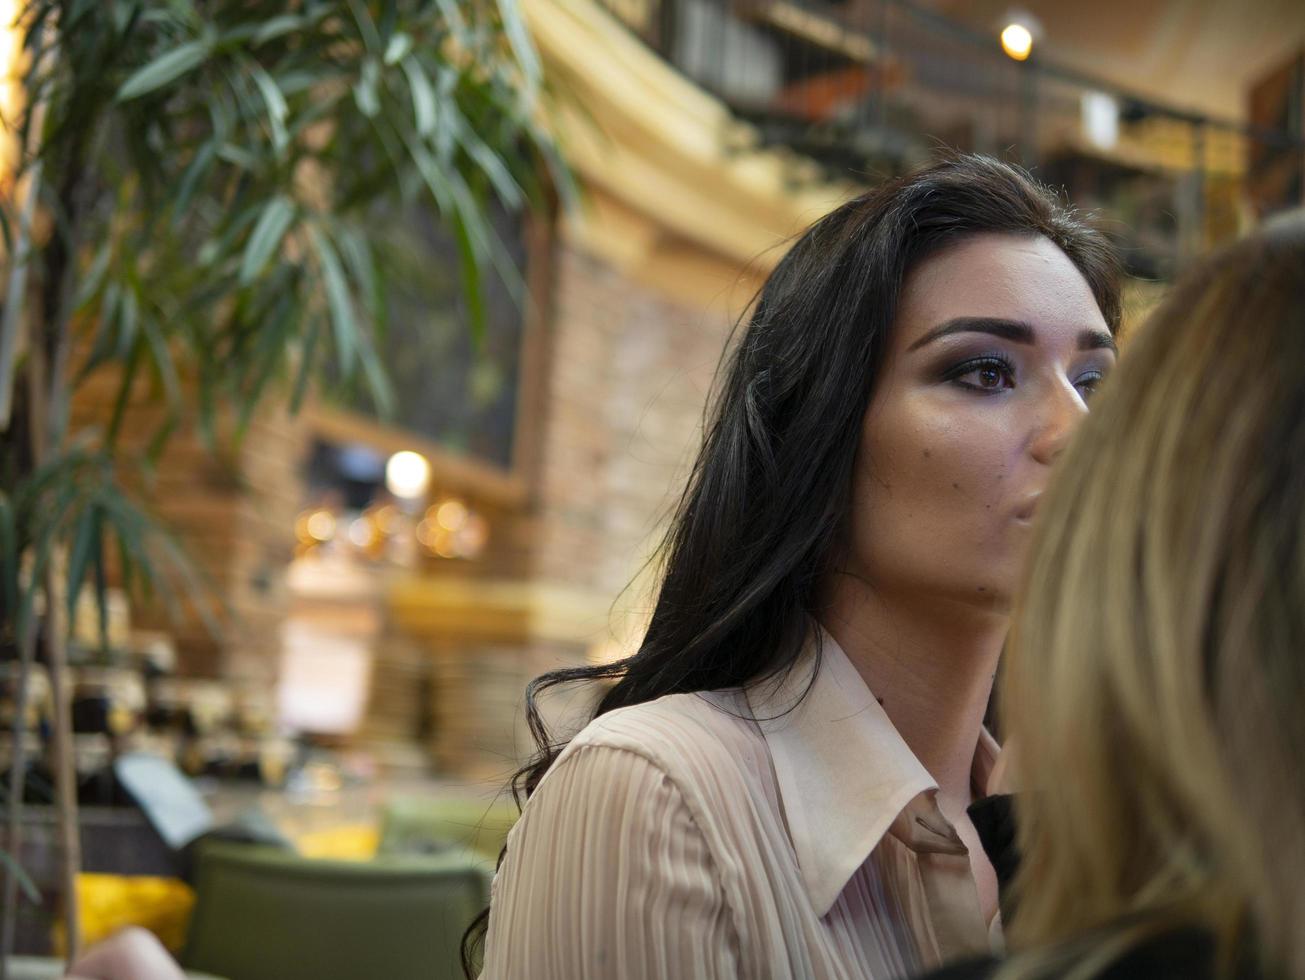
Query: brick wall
(631, 374)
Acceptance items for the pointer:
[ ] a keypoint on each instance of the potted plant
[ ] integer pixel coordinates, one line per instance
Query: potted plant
(190, 205)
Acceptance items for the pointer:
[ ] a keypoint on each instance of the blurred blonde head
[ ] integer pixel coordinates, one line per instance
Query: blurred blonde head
(1155, 681)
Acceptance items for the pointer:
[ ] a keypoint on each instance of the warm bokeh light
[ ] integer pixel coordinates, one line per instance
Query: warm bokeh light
(407, 475)
(426, 532)
(321, 525)
(452, 530)
(1017, 41)
(471, 538)
(361, 533)
(451, 514)
(387, 519)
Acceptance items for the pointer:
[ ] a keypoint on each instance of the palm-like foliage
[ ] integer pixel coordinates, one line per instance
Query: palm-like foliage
(195, 209)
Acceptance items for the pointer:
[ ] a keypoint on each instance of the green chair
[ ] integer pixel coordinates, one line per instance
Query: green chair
(417, 825)
(265, 914)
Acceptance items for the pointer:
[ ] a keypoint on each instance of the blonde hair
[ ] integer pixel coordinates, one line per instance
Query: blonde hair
(1154, 686)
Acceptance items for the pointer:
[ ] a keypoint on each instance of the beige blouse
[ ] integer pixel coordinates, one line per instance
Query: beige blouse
(683, 839)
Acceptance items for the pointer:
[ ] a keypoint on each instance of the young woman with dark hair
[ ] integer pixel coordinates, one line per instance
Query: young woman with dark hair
(776, 783)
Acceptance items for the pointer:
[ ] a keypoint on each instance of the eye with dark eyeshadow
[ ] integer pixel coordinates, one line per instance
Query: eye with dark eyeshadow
(987, 374)
(1089, 382)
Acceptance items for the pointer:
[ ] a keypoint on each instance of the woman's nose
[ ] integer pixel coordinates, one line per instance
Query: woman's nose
(1062, 410)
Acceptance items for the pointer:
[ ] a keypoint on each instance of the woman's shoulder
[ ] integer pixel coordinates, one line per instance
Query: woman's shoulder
(675, 727)
(693, 739)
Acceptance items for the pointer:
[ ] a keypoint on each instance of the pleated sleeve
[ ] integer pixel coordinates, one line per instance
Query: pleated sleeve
(607, 875)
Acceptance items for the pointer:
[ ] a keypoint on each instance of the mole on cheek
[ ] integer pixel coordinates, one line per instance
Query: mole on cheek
(956, 486)
(927, 454)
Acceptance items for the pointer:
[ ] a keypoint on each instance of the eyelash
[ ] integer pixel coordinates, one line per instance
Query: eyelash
(1097, 377)
(998, 361)
(1004, 365)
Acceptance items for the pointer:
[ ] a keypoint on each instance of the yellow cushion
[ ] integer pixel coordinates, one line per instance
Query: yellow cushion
(108, 903)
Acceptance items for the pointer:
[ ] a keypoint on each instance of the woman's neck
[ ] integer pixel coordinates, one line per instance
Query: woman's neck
(931, 665)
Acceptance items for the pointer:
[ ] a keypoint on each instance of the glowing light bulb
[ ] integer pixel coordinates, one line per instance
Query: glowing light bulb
(407, 475)
(1017, 41)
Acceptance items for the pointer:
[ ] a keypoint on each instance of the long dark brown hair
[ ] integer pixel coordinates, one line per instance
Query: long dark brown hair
(762, 515)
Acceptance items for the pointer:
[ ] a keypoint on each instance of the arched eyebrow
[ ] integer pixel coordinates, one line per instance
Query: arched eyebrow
(1016, 331)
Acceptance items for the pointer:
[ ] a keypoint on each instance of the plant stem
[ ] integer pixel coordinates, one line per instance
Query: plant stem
(17, 787)
(47, 363)
(65, 776)
(43, 421)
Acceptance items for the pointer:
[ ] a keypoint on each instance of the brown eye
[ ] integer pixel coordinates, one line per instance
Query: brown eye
(986, 374)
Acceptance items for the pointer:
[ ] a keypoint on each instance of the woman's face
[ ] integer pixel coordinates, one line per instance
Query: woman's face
(996, 349)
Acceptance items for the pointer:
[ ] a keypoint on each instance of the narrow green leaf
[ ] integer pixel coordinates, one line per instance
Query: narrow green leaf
(105, 330)
(195, 172)
(365, 92)
(119, 412)
(79, 559)
(276, 107)
(563, 180)
(126, 529)
(27, 497)
(371, 37)
(433, 176)
(307, 358)
(266, 237)
(447, 82)
(337, 298)
(456, 25)
(505, 185)
(128, 319)
(94, 277)
(238, 155)
(398, 48)
(165, 68)
(294, 82)
(423, 96)
(126, 561)
(24, 882)
(159, 440)
(519, 38)
(471, 211)
(278, 26)
(236, 36)
(162, 357)
(357, 255)
(469, 266)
